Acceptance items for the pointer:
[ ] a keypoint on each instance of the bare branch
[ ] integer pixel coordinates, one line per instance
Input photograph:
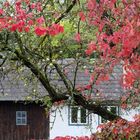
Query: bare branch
(66, 12)
(61, 74)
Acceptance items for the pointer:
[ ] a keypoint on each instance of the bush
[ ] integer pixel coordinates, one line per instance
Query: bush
(116, 130)
(119, 130)
(72, 138)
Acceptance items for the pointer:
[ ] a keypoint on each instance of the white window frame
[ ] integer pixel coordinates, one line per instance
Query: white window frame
(78, 116)
(109, 109)
(21, 118)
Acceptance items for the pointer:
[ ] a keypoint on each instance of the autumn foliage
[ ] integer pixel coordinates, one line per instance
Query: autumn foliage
(117, 35)
(116, 130)
(116, 41)
(72, 138)
(23, 19)
(120, 129)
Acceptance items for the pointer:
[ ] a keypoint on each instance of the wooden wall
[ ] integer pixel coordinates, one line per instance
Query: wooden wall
(37, 122)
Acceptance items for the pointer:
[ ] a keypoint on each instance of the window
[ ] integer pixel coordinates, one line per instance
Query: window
(78, 116)
(21, 117)
(102, 119)
(113, 109)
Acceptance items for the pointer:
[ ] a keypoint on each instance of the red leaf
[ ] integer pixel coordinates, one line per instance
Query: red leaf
(55, 29)
(91, 4)
(78, 37)
(91, 47)
(1, 11)
(27, 29)
(40, 31)
(82, 16)
(115, 131)
(40, 20)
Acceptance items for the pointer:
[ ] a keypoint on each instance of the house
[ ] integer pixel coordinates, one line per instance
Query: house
(19, 119)
(75, 121)
(22, 118)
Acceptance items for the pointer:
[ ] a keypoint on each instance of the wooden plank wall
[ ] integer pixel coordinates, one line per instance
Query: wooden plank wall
(37, 122)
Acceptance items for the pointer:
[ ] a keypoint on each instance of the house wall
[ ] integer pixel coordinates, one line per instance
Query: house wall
(59, 122)
(129, 114)
(61, 126)
(37, 122)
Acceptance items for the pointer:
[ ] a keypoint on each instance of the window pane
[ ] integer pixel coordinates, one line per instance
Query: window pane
(18, 114)
(21, 117)
(74, 114)
(83, 115)
(113, 110)
(23, 121)
(18, 121)
(102, 119)
(23, 114)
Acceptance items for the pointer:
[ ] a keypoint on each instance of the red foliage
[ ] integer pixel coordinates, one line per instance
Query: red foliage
(78, 37)
(91, 47)
(117, 25)
(21, 19)
(72, 138)
(117, 38)
(40, 31)
(1, 11)
(82, 16)
(120, 129)
(55, 29)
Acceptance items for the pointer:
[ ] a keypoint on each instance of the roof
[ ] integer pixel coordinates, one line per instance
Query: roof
(14, 87)
(20, 86)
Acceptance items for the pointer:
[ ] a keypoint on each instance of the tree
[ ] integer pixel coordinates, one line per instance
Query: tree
(38, 34)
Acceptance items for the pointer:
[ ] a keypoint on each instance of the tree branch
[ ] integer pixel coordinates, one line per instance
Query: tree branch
(94, 108)
(75, 75)
(61, 74)
(66, 12)
(43, 79)
(4, 60)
